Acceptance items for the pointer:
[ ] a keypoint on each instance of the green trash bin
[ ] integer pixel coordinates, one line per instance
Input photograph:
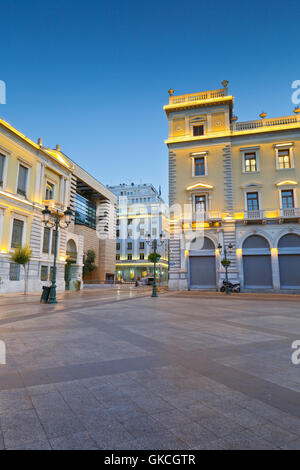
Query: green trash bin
(45, 294)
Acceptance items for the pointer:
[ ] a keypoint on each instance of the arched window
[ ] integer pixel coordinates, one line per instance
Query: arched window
(290, 240)
(255, 241)
(71, 251)
(202, 243)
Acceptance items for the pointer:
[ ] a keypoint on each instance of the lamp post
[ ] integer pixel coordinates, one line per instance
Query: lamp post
(226, 263)
(155, 243)
(56, 220)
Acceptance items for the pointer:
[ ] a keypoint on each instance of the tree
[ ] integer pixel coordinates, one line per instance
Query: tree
(22, 255)
(89, 262)
(154, 257)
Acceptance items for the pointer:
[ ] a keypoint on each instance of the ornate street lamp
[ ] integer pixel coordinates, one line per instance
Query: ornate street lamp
(226, 263)
(58, 220)
(155, 257)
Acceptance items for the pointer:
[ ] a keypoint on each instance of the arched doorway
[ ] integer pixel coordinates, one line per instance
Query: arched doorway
(70, 266)
(257, 263)
(289, 261)
(202, 264)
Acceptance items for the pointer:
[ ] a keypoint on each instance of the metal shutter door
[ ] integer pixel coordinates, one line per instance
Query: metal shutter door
(257, 271)
(289, 269)
(202, 272)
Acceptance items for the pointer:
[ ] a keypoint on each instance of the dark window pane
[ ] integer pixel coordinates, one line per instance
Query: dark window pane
(46, 240)
(22, 180)
(200, 203)
(53, 241)
(17, 233)
(49, 191)
(198, 130)
(287, 199)
(199, 166)
(2, 160)
(44, 273)
(252, 201)
(14, 272)
(85, 212)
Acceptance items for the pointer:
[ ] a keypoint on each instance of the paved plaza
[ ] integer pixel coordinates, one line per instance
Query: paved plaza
(118, 369)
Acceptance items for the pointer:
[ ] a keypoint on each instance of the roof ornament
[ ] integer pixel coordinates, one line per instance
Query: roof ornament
(58, 147)
(263, 115)
(171, 92)
(40, 141)
(225, 83)
(297, 109)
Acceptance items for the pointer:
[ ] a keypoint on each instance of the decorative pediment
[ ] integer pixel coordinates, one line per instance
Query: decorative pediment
(287, 183)
(252, 186)
(199, 186)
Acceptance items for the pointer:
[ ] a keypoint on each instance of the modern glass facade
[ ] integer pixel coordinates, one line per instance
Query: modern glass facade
(85, 212)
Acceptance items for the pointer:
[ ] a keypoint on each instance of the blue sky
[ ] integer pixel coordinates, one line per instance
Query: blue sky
(93, 76)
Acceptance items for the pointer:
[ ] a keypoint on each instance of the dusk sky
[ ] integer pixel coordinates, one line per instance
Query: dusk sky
(93, 76)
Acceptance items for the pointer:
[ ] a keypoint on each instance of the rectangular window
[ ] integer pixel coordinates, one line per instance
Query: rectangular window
(200, 203)
(117, 233)
(49, 191)
(154, 232)
(53, 241)
(250, 162)
(284, 159)
(118, 222)
(51, 273)
(142, 245)
(129, 257)
(44, 273)
(142, 232)
(252, 202)
(198, 130)
(199, 166)
(22, 180)
(17, 233)
(129, 233)
(142, 256)
(287, 199)
(142, 221)
(14, 272)
(2, 161)
(129, 246)
(118, 257)
(85, 211)
(46, 240)
(118, 246)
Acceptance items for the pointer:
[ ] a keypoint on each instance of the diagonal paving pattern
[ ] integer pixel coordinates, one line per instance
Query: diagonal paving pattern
(120, 371)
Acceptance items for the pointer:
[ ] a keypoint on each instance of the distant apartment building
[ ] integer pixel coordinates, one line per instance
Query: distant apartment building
(240, 182)
(141, 212)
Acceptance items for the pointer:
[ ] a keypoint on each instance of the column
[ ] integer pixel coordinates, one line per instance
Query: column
(275, 268)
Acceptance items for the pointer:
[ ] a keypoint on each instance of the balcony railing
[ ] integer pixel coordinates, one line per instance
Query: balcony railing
(254, 215)
(206, 216)
(290, 213)
(206, 95)
(53, 205)
(282, 121)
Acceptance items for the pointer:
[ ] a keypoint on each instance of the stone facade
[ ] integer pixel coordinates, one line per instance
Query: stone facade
(235, 186)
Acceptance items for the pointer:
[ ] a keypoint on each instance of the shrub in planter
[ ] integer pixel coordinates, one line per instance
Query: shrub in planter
(226, 262)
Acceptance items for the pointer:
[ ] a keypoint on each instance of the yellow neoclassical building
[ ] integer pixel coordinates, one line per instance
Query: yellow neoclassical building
(232, 184)
(31, 176)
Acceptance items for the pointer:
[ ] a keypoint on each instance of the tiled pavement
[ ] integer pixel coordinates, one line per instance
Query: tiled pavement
(176, 372)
